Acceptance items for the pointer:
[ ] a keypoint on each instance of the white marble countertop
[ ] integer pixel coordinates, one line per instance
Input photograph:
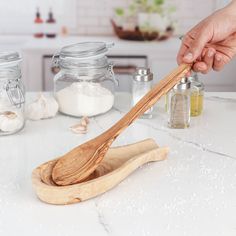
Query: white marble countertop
(193, 192)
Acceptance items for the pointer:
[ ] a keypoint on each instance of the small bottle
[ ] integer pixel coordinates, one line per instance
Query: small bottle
(51, 25)
(142, 84)
(38, 25)
(179, 105)
(197, 95)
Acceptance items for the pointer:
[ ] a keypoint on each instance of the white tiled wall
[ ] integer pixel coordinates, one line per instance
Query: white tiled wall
(93, 16)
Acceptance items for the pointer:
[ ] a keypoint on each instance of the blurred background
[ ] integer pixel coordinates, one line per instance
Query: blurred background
(145, 32)
(92, 17)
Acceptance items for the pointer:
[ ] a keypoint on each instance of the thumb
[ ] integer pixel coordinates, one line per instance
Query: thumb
(195, 46)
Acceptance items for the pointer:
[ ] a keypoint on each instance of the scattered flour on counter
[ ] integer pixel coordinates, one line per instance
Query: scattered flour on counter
(84, 99)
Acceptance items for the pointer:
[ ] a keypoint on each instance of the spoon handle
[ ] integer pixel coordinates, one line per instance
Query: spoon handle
(148, 100)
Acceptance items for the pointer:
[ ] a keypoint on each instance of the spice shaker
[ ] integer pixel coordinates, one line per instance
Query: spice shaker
(142, 84)
(179, 105)
(197, 95)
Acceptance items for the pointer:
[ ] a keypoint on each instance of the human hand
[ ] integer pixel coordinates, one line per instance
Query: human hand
(212, 43)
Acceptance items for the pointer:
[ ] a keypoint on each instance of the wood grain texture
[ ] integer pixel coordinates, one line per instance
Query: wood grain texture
(78, 164)
(118, 163)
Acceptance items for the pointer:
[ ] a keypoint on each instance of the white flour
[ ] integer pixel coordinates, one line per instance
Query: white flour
(84, 99)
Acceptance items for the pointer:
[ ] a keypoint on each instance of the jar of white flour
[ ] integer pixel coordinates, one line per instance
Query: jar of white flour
(85, 83)
(12, 96)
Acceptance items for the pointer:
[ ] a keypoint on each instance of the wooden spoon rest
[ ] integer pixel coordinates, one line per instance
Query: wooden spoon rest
(118, 163)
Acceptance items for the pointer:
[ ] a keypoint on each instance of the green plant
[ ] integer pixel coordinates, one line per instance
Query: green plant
(119, 11)
(159, 2)
(154, 6)
(148, 6)
(132, 9)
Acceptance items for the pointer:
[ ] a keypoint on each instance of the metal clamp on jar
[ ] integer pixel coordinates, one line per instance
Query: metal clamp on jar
(12, 95)
(85, 84)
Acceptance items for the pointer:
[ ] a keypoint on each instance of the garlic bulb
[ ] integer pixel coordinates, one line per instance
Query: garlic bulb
(43, 108)
(11, 121)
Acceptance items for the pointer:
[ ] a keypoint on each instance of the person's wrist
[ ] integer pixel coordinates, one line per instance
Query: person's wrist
(233, 2)
(230, 11)
(231, 8)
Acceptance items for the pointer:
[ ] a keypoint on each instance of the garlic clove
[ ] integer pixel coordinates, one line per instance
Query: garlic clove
(87, 119)
(84, 121)
(79, 129)
(79, 132)
(9, 114)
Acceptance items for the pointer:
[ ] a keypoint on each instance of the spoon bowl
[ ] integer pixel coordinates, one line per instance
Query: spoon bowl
(81, 159)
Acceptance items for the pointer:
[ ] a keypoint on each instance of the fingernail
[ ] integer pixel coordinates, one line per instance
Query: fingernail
(210, 53)
(218, 57)
(188, 56)
(201, 67)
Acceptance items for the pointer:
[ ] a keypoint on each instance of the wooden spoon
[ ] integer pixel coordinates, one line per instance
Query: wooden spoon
(79, 163)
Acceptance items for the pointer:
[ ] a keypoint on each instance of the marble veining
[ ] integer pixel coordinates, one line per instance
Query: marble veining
(194, 144)
(101, 218)
(221, 99)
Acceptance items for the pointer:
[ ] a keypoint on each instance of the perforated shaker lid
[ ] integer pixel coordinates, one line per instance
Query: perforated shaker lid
(143, 74)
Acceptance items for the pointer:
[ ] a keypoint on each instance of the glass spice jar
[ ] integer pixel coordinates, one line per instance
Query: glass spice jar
(12, 95)
(142, 84)
(85, 83)
(197, 95)
(179, 105)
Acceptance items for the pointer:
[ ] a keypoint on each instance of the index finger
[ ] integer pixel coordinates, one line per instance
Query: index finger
(181, 53)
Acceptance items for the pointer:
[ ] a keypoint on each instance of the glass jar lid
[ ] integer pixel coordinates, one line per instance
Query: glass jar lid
(9, 57)
(85, 50)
